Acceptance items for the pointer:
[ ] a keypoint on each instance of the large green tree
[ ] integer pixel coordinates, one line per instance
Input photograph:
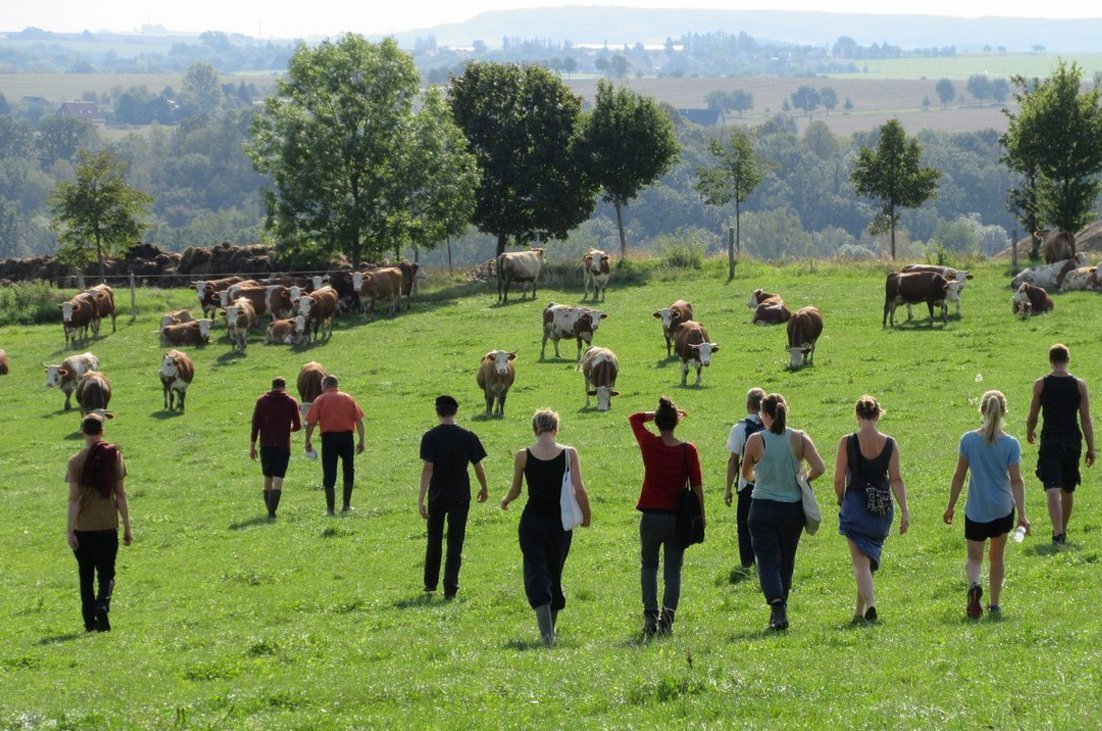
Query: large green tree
(630, 143)
(98, 214)
(1056, 134)
(893, 176)
(522, 123)
(342, 143)
(737, 172)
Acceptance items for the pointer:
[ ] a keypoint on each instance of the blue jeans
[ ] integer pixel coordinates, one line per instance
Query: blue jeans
(659, 530)
(775, 529)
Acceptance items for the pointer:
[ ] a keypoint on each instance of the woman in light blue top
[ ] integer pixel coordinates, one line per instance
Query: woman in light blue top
(773, 458)
(994, 489)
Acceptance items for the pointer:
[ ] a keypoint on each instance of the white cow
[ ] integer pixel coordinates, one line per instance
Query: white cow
(240, 316)
(495, 376)
(518, 266)
(566, 321)
(596, 273)
(1081, 278)
(1050, 276)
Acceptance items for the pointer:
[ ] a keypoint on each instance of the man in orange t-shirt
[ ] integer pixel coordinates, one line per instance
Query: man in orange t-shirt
(335, 413)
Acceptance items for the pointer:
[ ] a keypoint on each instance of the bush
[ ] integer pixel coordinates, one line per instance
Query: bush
(683, 254)
(853, 251)
(30, 303)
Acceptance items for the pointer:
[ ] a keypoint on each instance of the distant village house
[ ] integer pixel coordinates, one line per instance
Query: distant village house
(87, 111)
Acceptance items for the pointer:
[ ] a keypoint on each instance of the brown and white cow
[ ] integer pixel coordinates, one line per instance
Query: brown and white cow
(105, 302)
(1080, 278)
(596, 263)
(291, 331)
(66, 375)
(177, 372)
(5, 367)
(693, 348)
(287, 280)
(1056, 245)
(229, 295)
(206, 291)
(912, 288)
(319, 308)
(496, 374)
(1050, 276)
(273, 300)
(769, 309)
(1030, 300)
(93, 392)
(383, 283)
(345, 283)
(804, 330)
(565, 321)
(956, 278)
(600, 367)
(309, 384)
(78, 315)
(240, 318)
(175, 318)
(678, 312)
(518, 266)
(193, 332)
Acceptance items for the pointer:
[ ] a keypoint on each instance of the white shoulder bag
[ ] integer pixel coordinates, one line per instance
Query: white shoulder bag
(568, 502)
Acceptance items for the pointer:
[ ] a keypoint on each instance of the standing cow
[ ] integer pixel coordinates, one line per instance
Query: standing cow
(1029, 300)
(240, 317)
(67, 375)
(678, 312)
(596, 273)
(78, 315)
(495, 375)
(177, 372)
(956, 278)
(105, 303)
(565, 321)
(804, 330)
(4, 366)
(93, 392)
(518, 266)
(206, 291)
(382, 283)
(599, 367)
(309, 385)
(693, 348)
(319, 308)
(912, 288)
(1056, 245)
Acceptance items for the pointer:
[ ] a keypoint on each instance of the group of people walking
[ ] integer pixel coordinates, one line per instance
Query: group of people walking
(764, 472)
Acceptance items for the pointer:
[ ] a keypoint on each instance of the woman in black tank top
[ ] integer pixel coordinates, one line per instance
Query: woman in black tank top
(543, 541)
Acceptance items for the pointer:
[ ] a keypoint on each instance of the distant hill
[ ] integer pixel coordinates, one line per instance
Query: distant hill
(619, 26)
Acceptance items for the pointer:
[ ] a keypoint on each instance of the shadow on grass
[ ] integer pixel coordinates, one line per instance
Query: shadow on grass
(75, 436)
(60, 638)
(1050, 549)
(250, 522)
(163, 414)
(424, 599)
(483, 416)
(665, 362)
(52, 414)
(738, 576)
(228, 357)
(524, 645)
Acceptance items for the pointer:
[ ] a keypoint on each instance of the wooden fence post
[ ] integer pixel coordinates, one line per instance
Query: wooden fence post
(1014, 252)
(133, 298)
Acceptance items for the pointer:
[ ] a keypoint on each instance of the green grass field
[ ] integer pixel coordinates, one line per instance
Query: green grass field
(222, 620)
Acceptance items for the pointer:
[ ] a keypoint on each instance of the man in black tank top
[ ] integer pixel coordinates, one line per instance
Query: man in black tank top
(1059, 397)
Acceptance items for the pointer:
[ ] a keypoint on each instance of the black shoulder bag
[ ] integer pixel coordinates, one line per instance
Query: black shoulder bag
(690, 518)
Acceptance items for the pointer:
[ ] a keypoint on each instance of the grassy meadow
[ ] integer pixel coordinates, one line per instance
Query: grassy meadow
(222, 620)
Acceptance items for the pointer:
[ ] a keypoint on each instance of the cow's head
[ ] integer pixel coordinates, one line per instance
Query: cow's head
(319, 280)
(296, 293)
(604, 396)
(595, 317)
(304, 305)
(666, 316)
(66, 312)
(224, 298)
(54, 374)
(204, 328)
(168, 366)
(357, 281)
(500, 359)
(1020, 302)
(953, 289)
(233, 312)
(300, 324)
(593, 260)
(796, 355)
(168, 320)
(754, 300)
(703, 352)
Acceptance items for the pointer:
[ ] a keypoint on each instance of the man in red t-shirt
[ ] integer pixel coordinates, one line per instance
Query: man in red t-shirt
(275, 416)
(335, 413)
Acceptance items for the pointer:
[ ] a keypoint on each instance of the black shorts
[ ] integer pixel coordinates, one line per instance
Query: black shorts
(1058, 467)
(974, 531)
(273, 461)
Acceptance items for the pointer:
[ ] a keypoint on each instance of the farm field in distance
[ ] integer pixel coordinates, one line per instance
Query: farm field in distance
(224, 620)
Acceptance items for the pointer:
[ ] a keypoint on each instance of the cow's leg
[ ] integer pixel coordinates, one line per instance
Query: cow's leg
(180, 399)
(113, 316)
(167, 398)
(699, 368)
(579, 356)
(668, 349)
(544, 346)
(68, 401)
(489, 402)
(585, 294)
(556, 341)
(684, 372)
(501, 403)
(910, 315)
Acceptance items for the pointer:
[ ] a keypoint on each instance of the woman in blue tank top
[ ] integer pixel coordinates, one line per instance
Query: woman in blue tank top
(772, 460)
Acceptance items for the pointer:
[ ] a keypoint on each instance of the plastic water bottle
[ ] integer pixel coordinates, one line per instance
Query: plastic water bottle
(1019, 534)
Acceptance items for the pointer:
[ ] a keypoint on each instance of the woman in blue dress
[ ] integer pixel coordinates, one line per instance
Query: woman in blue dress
(866, 475)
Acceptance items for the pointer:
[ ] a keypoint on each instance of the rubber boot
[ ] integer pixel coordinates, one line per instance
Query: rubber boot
(665, 622)
(555, 619)
(546, 624)
(268, 502)
(650, 624)
(330, 499)
(273, 502)
(778, 619)
(347, 498)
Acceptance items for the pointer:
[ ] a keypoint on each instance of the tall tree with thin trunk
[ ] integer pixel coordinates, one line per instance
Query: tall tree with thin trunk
(98, 214)
(892, 175)
(737, 172)
(630, 143)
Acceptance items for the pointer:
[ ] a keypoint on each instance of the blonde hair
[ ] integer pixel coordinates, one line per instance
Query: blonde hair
(868, 409)
(753, 398)
(993, 408)
(545, 420)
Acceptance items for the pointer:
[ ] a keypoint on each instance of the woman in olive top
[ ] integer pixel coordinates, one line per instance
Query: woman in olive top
(772, 460)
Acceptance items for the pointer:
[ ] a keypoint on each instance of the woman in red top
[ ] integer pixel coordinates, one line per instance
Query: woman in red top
(668, 462)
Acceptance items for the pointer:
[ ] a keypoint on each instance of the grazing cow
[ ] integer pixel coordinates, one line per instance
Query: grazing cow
(495, 375)
(1050, 276)
(206, 291)
(309, 384)
(693, 347)
(68, 374)
(804, 330)
(176, 373)
(1056, 245)
(518, 266)
(769, 309)
(240, 317)
(93, 392)
(384, 283)
(78, 315)
(915, 287)
(4, 366)
(678, 312)
(175, 318)
(600, 367)
(596, 273)
(1029, 300)
(319, 309)
(954, 276)
(230, 294)
(1080, 278)
(105, 302)
(291, 331)
(564, 321)
(193, 332)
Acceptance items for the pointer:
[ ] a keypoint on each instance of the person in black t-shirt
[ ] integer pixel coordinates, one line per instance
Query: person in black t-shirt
(447, 449)
(1060, 397)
